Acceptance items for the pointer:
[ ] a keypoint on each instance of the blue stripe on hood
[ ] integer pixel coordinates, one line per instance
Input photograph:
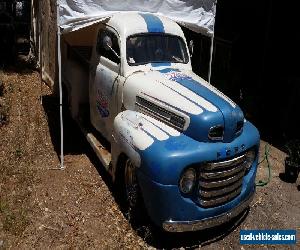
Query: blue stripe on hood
(200, 124)
(164, 64)
(154, 24)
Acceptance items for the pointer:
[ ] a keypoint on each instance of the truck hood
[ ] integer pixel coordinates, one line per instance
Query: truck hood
(186, 94)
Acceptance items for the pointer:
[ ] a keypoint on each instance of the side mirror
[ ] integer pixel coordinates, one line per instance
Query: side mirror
(191, 47)
(107, 43)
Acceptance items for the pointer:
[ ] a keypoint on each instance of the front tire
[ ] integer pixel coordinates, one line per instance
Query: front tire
(134, 205)
(131, 184)
(130, 198)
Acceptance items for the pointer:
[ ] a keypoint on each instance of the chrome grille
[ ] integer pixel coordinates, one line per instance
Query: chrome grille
(220, 182)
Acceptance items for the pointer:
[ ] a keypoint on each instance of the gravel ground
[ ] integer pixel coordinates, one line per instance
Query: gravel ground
(42, 207)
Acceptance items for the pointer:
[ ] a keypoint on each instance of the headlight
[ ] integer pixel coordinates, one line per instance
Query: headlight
(249, 159)
(187, 181)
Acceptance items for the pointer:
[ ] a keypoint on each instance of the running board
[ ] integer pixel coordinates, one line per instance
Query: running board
(103, 154)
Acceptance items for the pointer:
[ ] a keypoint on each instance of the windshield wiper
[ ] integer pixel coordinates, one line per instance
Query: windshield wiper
(177, 59)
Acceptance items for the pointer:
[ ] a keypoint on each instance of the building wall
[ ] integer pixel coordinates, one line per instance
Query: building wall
(44, 30)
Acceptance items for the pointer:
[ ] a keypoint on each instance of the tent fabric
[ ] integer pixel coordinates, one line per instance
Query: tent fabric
(196, 15)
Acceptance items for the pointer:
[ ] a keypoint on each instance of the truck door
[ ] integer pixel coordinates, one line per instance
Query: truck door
(103, 89)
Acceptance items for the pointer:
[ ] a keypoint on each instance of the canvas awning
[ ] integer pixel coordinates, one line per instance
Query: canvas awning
(197, 15)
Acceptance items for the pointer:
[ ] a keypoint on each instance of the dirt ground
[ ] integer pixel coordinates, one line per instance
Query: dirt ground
(45, 208)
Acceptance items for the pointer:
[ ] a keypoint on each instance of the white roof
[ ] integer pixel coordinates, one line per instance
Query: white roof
(127, 24)
(197, 15)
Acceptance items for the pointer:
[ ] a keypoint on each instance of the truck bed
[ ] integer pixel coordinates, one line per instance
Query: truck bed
(80, 54)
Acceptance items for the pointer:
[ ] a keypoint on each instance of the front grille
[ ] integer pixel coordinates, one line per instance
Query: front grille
(220, 182)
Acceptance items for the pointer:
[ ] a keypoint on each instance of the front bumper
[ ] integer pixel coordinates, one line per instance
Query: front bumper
(183, 226)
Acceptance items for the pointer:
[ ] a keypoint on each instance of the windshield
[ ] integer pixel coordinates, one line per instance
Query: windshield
(155, 48)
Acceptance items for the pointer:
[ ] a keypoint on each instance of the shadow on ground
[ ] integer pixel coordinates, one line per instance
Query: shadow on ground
(159, 239)
(22, 65)
(74, 141)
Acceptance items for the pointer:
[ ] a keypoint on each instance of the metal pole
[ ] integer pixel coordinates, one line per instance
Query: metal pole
(211, 57)
(60, 91)
(212, 45)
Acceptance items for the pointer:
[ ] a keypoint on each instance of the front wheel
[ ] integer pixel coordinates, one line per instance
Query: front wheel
(135, 209)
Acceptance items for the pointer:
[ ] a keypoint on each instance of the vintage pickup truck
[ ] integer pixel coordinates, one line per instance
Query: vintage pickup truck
(168, 138)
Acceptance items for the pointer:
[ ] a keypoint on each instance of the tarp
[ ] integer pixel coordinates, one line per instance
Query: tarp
(197, 15)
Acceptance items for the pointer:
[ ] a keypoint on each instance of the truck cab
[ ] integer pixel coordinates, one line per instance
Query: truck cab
(174, 140)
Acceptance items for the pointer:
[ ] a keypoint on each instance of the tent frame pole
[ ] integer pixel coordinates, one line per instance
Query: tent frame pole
(211, 57)
(62, 167)
(212, 41)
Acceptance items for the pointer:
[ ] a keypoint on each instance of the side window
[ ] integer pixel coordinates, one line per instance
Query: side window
(108, 53)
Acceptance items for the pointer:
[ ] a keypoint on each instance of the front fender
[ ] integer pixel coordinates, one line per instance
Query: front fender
(134, 133)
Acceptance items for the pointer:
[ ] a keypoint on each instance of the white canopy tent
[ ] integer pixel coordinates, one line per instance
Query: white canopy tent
(196, 15)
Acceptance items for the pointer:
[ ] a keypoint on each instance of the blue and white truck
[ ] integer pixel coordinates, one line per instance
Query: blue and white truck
(162, 132)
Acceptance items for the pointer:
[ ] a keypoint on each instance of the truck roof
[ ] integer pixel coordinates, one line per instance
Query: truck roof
(129, 23)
